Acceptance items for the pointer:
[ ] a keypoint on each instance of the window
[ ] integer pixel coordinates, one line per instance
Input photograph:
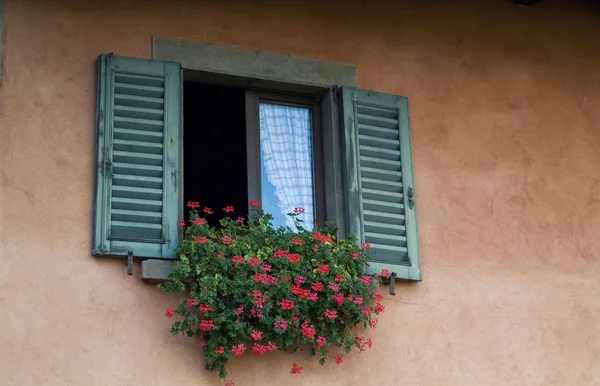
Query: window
(285, 156)
(239, 143)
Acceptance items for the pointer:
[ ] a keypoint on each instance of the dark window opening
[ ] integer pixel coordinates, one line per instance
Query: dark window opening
(214, 149)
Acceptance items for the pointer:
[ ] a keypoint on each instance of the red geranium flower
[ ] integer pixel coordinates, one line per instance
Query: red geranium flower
(323, 268)
(198, 221)
(208, 210)
(201, 239)
(338, 298)
(228, 209)
(170, 312)
(205, 325)
(281, 325)
(182, 223)
(280, 253)
(316, 248)
(299, 210)
(220, 350)
(379, 308)
(318, 286)
(296, 241)
(339, 358)
(226, 240)
(254, 261)
(240, 220)
(296, 369)
(254, 203)
(193, 204)
(330, 314)
(238, 259)
(259, 349)
(385, 273)
(355, 255)
(220, 254)
(366, 246)
(378, 296)
(321, 341)
(286, 304)
(238, 350)
(373, 323)
(256, 335)
(191, 302)
(265, 267)
(205, 308)
(308, 331)
(293, 258)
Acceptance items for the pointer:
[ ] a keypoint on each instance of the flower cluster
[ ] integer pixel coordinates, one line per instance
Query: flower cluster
(256, 288)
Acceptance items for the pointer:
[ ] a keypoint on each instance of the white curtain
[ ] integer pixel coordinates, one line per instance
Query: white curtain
(286, 147)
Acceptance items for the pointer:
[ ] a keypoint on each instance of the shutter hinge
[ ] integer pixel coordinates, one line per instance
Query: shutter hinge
(130, 263)
(393, 284)
(411, 197)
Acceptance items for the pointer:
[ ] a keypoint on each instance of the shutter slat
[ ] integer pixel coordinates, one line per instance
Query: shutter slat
(138, 112)
(390, 229)
(376, 184)
(123, 230)
(137, 158)
(138, 135)
(139, 124)
(139, 101)
(383, 217)
(140, 80)
(377, 121)
(379, 163)
(136, 216)
(140, 193)
(381, 174)
(370, 151)
(373, 194)
(382, 206)
(137, 181)
(135, 90)
(381, 143)
(137, 170)
(136, 204)
(138, 146)
(385, 239)
(378, 132)
(377, 111)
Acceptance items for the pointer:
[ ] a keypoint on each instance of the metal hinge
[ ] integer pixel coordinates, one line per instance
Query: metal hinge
(411, 198)
(130, 263)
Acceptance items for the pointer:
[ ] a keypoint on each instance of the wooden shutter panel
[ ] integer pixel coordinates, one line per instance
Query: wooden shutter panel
(379, 179)
(137, 178)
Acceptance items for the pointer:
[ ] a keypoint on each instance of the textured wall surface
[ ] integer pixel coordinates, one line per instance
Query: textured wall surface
(505, 110)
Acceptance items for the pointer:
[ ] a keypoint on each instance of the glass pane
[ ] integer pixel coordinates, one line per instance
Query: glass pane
(286, 163)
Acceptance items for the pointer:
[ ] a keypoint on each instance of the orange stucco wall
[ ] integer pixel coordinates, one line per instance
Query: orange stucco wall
(505, 110)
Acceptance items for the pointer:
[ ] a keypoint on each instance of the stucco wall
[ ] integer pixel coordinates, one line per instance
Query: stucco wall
(505, 110)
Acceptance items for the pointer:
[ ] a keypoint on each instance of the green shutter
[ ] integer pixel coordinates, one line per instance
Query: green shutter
(137, 178)
(379, 179)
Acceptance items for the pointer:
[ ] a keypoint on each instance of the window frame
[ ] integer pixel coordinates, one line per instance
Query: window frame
(253, 100)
